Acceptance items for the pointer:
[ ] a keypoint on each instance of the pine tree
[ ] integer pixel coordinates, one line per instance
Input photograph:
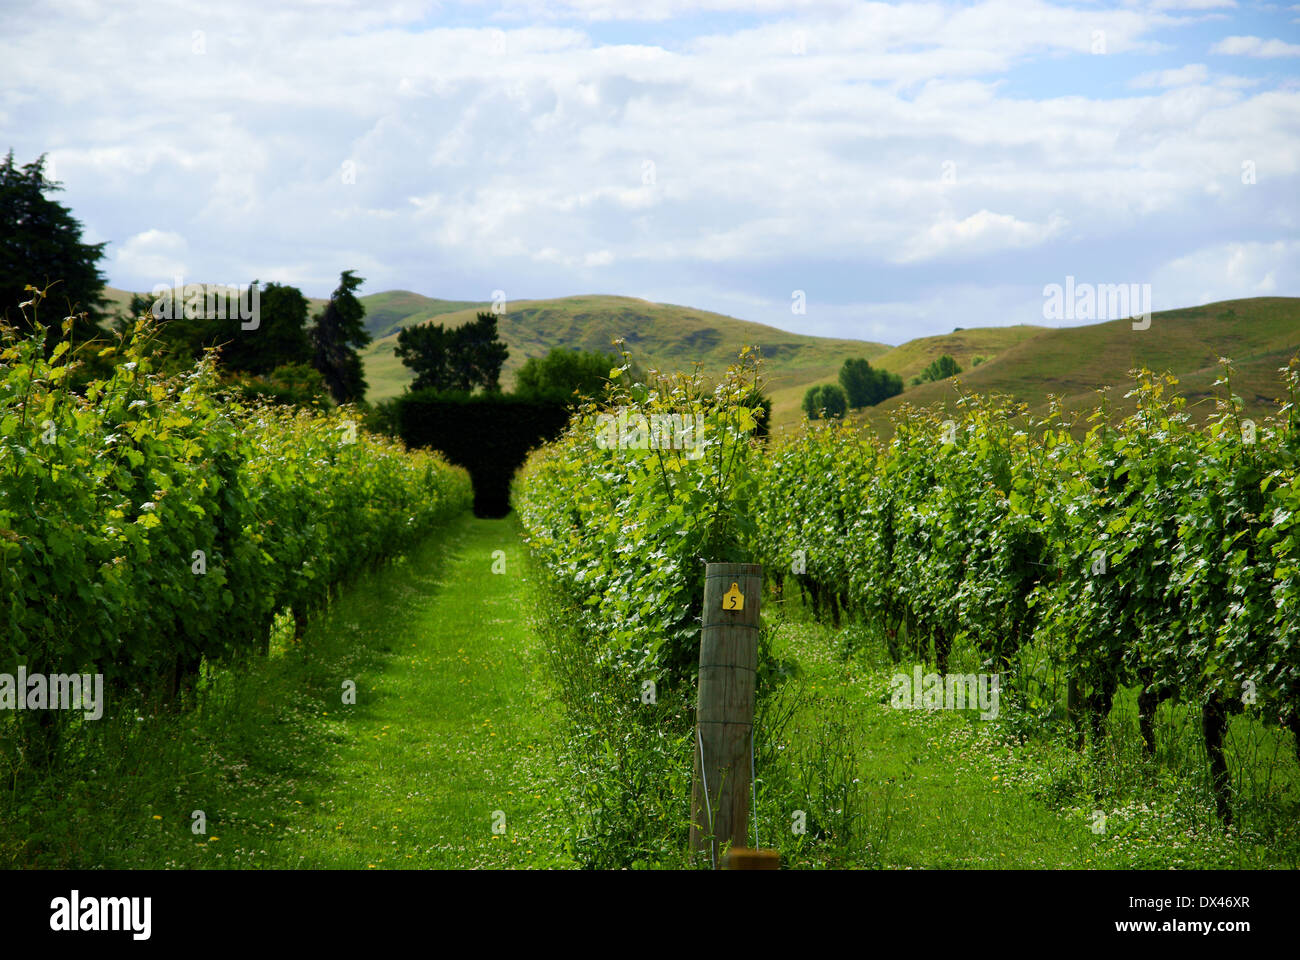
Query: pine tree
(337, 333)
(40, 244)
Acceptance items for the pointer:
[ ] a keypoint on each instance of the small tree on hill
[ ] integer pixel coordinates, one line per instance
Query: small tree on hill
(833, 401)
(827, 400)
(460, 359)
(565, 374)
(811, 405)
(856, 379)
(941, 368)
(865, 386)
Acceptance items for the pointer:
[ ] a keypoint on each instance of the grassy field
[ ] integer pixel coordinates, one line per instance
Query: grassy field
(658, 336)
(945, 790)
(910, 358)
(451, 723)
(1031, 363)
(456, 718)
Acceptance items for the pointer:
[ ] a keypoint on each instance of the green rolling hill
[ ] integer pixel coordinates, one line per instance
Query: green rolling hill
(659, 336)
(1259, 335)
(1029, 363)
(910, 358)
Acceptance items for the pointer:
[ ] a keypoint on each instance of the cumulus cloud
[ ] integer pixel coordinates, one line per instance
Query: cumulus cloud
(1227, 271)
(981, 233)
(1255, 47)
(716, 153)
(155, 253)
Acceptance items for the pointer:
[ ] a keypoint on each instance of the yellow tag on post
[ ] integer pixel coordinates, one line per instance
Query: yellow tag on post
(733, 599)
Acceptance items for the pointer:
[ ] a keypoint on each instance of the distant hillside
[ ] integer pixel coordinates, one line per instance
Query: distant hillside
(1030, 363)
(658, 335)
(912, 357)
(1258, 335)
(388, 312)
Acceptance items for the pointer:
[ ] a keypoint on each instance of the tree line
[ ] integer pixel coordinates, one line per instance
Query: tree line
(287, 355)
(284, 356)
(861, 385)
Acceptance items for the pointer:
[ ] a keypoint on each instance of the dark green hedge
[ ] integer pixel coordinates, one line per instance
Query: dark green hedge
(487, 434)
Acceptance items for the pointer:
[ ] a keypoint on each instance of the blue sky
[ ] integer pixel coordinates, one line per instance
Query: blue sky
(910, 167)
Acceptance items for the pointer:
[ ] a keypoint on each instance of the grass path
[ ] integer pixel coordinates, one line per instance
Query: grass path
(451, 737)
(451, 723)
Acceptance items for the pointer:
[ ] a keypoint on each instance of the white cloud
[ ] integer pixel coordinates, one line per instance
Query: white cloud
(513, 154)
(1192, 4)
(984, 232)
(159, 254)
(1226, 271)
(1255, 47)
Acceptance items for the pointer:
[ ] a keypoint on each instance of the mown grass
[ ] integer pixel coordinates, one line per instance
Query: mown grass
(451, 724)
(944, 789)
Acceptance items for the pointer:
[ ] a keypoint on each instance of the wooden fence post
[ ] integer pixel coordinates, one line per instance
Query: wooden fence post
(725, 713)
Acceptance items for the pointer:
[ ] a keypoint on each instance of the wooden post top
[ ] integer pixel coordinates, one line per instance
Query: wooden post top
(745, 858)
(712, 570)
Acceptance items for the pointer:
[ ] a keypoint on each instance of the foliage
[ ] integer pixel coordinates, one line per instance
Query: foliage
(761, 404)
(940, 368)
(293, 384)
(188, 322)
(620, 517)
(338, 332)
(565, 374)
(1152, 553)
(825, 401)
(146, 526)
(865, 386)
(488, 434)
(40, 240)
(625, 527)
(460, 359)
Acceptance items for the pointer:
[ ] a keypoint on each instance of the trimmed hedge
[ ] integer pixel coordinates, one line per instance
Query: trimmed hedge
(488, 434)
